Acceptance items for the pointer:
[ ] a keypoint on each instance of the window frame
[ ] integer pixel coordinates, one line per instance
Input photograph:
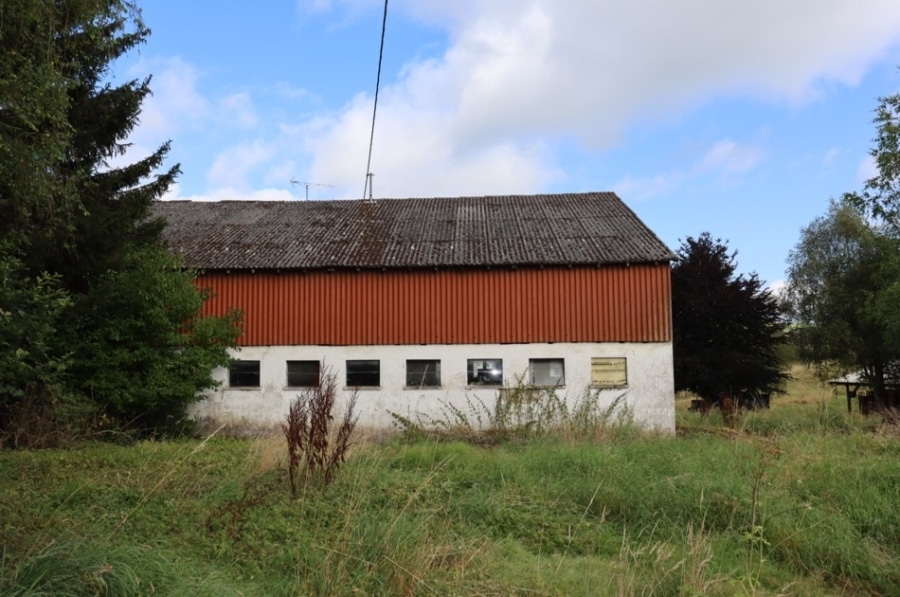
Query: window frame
(241, 368)
(547, 361)
(478, 380)
(433, 375)
(317, 374)
(596, 361)
(348, 373)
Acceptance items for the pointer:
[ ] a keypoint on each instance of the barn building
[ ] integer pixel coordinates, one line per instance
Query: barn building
(419, 303)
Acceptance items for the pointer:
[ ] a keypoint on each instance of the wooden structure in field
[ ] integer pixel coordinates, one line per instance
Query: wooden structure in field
(857, 386)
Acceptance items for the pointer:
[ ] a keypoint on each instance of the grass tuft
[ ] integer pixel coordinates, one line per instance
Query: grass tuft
(520, 413)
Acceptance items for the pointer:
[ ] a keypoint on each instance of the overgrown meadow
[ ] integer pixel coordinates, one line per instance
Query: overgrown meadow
(801, 499)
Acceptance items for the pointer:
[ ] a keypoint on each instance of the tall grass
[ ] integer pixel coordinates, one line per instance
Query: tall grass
(518, 413)
(77, 567)
(805, 506)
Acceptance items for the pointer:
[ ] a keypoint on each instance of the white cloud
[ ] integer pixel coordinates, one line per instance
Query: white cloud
(232, 167)
(728, 157)
(637, 189)
(237, 110)
(291, 92)
(518, 78)
(174, 105)
(724, 160)
(588, 68)
(231, 194)
(516, 72)
(416, 154)
(178, 109)
(175, 102)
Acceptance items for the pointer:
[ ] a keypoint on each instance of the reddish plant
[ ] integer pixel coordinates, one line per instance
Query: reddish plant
(314, 449)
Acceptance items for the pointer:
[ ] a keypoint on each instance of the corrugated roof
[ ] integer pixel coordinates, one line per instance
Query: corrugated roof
(533, 230)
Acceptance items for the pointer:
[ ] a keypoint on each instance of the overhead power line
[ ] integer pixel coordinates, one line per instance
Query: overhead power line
(368, 185)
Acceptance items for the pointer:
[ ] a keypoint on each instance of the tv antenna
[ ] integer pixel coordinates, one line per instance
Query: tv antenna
(310, 184)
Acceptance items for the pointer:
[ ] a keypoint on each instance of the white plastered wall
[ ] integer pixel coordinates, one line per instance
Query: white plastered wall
(649, 396)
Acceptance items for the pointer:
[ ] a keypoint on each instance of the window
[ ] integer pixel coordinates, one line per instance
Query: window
(547, 372)
(609, 372)
(484, 372)
(244, 374)
(423, 374)
(303, 374)
(363, 374)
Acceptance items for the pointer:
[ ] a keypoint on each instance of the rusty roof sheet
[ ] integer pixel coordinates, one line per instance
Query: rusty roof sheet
(515, 230)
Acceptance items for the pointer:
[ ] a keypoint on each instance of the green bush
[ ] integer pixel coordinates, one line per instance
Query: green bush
(141, 350)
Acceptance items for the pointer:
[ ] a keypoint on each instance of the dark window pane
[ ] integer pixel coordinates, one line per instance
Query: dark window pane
(363, 374)
(244, 374)
(484, 372)
(421, 374)
(547, 372)
(303, 374)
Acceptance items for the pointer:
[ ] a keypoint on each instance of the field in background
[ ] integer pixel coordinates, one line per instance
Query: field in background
(800, 499)
(806, 405)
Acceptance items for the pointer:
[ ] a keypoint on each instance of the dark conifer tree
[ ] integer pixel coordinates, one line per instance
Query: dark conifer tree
(34, 127)
(112, 209)
(126, 339)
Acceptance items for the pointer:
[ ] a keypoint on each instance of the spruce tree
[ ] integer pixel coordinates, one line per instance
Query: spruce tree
(34, 127)
(77, 226)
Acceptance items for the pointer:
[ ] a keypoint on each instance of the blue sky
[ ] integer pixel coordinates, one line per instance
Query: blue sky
(739, 118)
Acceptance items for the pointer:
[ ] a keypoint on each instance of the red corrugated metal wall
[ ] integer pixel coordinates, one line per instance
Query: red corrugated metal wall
(588, 304)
